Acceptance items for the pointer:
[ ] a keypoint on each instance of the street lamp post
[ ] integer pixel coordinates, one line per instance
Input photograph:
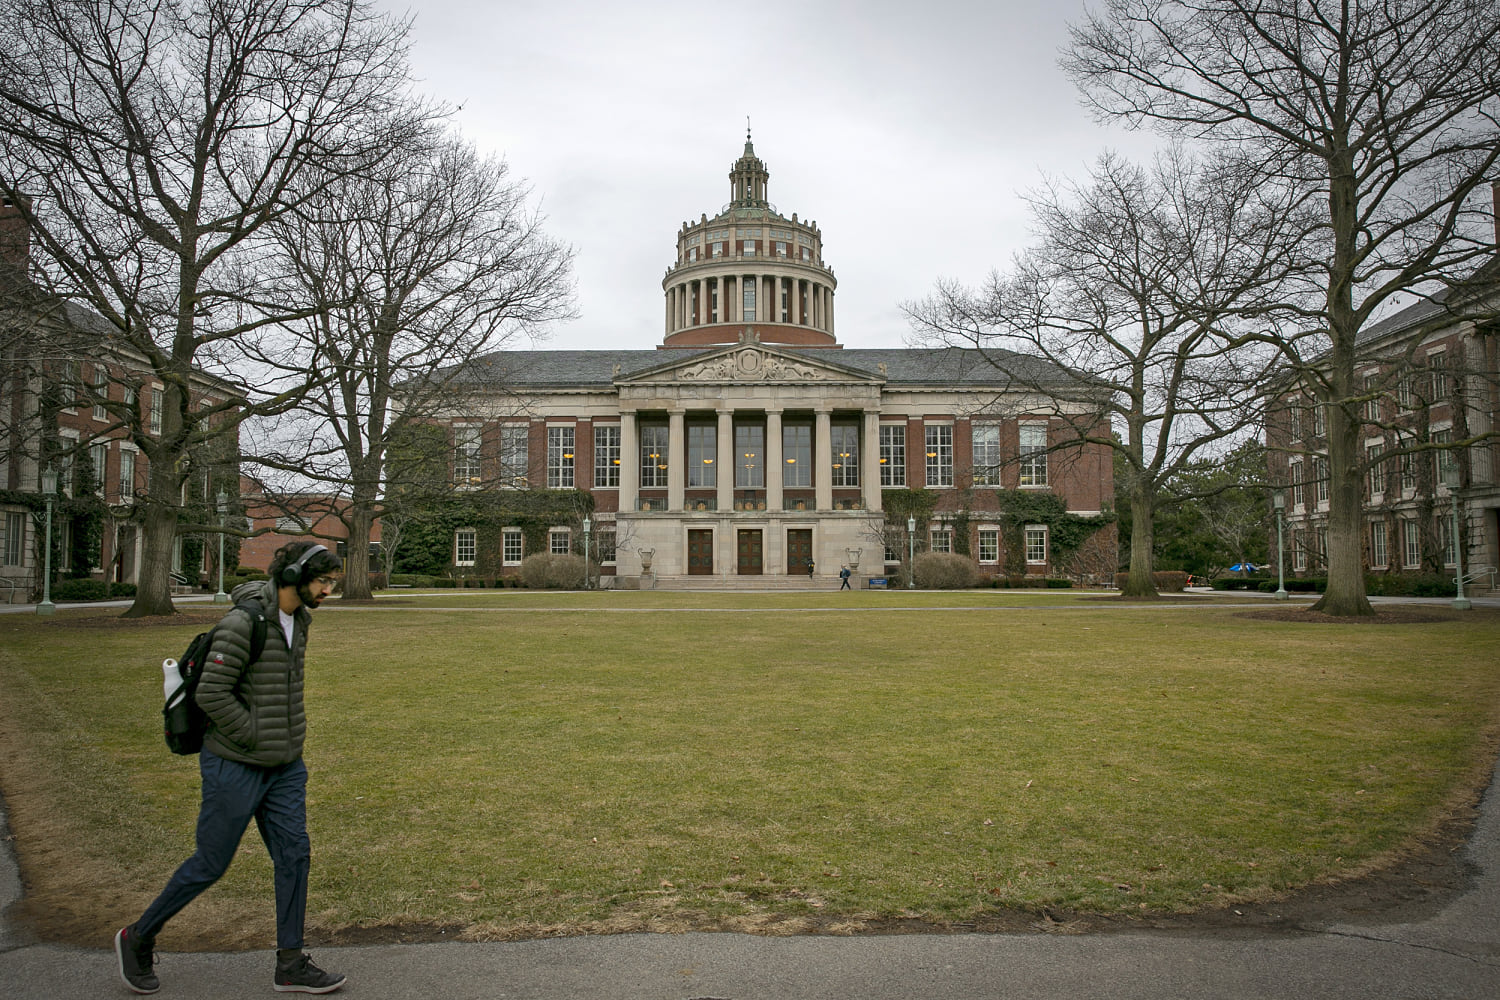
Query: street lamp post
(49, 491)
(223, 507)
(911, 553)
(1278, 500)
(588, 526)
(1451, 480)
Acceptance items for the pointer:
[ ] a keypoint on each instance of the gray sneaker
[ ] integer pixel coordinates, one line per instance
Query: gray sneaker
(136, 958)
(300, 975)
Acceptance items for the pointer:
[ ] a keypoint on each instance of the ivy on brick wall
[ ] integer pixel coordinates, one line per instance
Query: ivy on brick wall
(1066, 532)
(427, 537)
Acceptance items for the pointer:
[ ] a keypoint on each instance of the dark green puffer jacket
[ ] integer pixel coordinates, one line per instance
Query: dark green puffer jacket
(255, 715)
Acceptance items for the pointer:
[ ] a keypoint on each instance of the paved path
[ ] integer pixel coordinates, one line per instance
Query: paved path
(1454, 954)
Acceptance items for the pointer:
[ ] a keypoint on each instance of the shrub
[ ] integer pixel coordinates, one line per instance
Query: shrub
(944, 571)
(1059, 583)
(1169, 580)
(377, 581)
(80, 590)
(547, 571)
(1240, 583)
(1410, 585)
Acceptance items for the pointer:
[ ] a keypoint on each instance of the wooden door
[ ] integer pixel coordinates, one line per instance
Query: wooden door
(798, 551)
(750, 553)
(700, 552)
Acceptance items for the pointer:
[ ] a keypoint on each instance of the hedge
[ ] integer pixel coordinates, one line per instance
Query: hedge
(1170, 580)
(90, 590)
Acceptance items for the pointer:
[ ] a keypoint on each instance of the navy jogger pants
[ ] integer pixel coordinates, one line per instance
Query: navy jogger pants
(233, 794)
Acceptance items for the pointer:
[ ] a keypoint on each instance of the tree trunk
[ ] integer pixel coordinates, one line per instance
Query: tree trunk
(153, 592)
(357, 561)
(1345, 595)
(1138, 582)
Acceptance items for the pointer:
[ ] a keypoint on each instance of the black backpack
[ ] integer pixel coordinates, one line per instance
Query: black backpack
(185, 723)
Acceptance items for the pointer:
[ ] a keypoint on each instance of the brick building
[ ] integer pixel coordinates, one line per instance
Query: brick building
(750, 441)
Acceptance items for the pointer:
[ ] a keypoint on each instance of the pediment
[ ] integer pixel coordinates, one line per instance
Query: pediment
(749, 363)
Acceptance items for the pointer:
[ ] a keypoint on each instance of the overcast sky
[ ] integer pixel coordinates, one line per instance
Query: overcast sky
(907, 131)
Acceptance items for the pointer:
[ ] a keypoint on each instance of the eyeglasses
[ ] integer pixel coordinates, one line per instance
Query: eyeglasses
(327, 581)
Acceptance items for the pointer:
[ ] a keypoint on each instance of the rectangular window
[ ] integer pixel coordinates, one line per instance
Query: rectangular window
(1294, 420)
(510, 546)
(101, 391)
(1445, 461)
(1033, 454)
(606, 455)
(780, 248)
(845, 441)
(604, 545)
(466, 454)
(893, 455)
(654, 457)
(749, 456)
(941, 540)
(559, 541)
(1320, 470)
(718, 248)
(98, 455)
(1320, 423)
(1408, 467)
(796, 455)
(156, 407)
(1406, 393)
(72, 385)
(1378, 553)
(1411, 543)
(702, 446)
(127, 474)
(986, 454)
(1439, 388)
(515, 457)
(1296, 473)
(989, 545)
(1036, 544)
(1299, 551)
(15, 537)
(1372, 405)
(559, 458)
(465, 545)
(747, 300)
(749, 248)
(1445, 539)
(1377, 469)
(939, 455)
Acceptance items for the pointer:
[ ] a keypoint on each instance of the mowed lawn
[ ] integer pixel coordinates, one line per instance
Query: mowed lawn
(553, 763)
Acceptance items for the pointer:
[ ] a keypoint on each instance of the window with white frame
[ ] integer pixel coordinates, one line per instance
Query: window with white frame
(1033, 454)
(1036, 544)
(559, 541)
(780, 248)
(1378, 545)
(156, 407)
(940, 540)
(1406, 393)
(747, 295)
(1439, 386)
(1411, 543)
(1320, 472)
(1377, 468)
(939, 455)
(986, 469)
(845, 441)
(1320, 540)
(606, 455)
(66, 477)
(15, 538)
(1320, 420)
(465, 546)
(466, 454)
(893, 455)
(98, 456)
(654, 456)
(1299, 550)
(1294, 420)
(989, 545)
(101, 391)
(1445, 540)
(1445, 460)
(702, 449)
(1372, 404)
(72, 385)
(604, 546)
(515, 454)
(511, 546)
(796, 454)
(1295, 470)
(127, 474)
(718, 248)
(560, 458)
(1408, 466)
(749, 248)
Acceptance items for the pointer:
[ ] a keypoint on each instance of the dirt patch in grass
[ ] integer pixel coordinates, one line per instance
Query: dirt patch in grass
(1385, 614)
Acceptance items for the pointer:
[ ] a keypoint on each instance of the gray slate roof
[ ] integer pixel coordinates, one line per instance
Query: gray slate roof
(903, 366)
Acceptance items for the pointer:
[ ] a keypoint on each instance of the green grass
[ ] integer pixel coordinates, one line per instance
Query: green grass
(563, 762)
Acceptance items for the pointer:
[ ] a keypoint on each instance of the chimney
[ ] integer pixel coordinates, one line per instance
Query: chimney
(15, 234)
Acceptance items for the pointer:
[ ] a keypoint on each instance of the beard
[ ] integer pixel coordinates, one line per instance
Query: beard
(305, 594)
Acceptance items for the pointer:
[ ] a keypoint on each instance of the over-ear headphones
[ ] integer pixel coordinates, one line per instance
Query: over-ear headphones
(292, 575)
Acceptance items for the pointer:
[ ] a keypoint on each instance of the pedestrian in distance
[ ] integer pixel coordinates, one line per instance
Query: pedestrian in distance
(251, 766)
(809, 569)
(844, 575)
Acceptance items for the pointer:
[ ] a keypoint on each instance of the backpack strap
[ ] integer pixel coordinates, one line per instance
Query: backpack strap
(258, 627)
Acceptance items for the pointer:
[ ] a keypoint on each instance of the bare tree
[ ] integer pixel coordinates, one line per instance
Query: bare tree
(414, 269)
(1384, 114)
(159, 137)
(1141, 284)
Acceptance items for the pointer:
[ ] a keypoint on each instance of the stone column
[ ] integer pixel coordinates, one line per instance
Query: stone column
(869, 464)
(775, 464)
(676, 460)
(671, 300)
(731, 298)
(724, 461)
(630, 462)
(823, 460)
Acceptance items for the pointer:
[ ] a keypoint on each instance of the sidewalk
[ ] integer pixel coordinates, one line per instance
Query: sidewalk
(1456, 953)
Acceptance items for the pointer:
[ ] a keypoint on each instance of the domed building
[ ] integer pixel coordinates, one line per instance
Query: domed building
(751, 444)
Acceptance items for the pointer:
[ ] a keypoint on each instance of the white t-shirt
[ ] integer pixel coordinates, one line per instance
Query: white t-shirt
(287, 621)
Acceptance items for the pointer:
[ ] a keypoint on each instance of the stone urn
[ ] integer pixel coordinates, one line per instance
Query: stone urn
(646, 555)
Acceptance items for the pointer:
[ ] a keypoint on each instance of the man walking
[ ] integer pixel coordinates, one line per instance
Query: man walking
(844, 575)
(252, 768)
